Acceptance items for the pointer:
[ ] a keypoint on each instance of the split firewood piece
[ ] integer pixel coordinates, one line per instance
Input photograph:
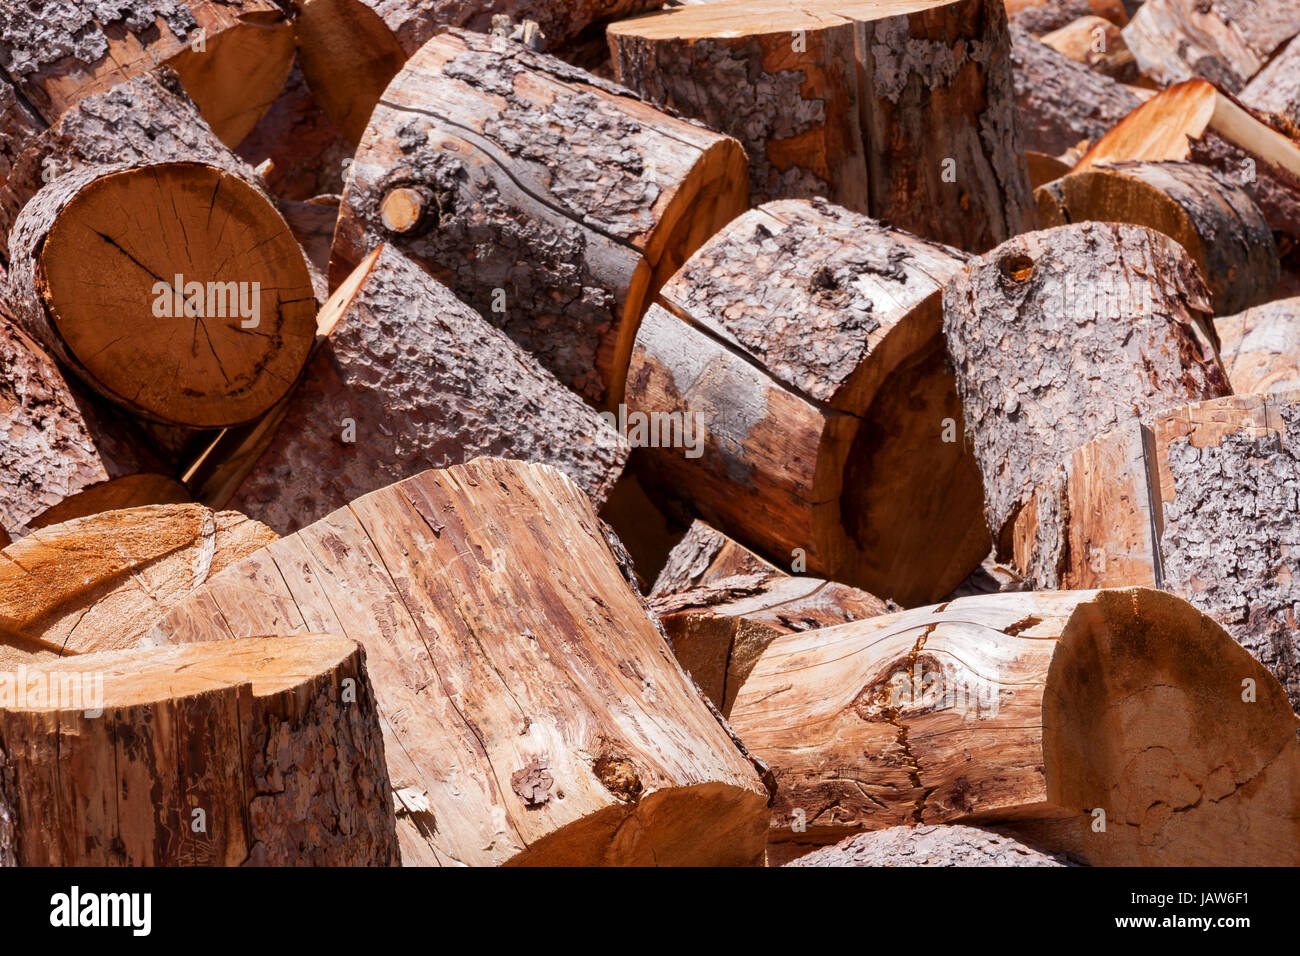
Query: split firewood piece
(61, 456)
(1120, 727)
(351, 49)
(174, 290)
(1098, 44)
(263, 752)
(1060, 335)
(944, 845)
(719, 623)
(1215, 221)
(1044, 16)
(231, 55)
(1059, 102)
(1043, 168)
(1200, 502)
(532, 711)
(1223, 41)
(410, 378)
(99, 583)
(149, 118)
(799, 355)
(551, 201)
(1276, 89)
(1195, 121)
(1260, 347)
(902, 111)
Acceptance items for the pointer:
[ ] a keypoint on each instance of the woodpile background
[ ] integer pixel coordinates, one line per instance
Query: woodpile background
(728, 432)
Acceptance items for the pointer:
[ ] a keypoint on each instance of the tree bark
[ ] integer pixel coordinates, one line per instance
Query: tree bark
(953, 845)
(231, 55)
(905, 114)
(1060, 103)
(264, 752)
(1043, 16)
(801, 351)
(100, 582)
(552, 202)
(19, 123)
(1032, 712)
(1214, 220)
(718, 624)
(83, 271)
(398, 345)
(1276, 89)
(1098, 44)
(59, 453)
(1200, 502)
(1060, 335)
(1260, 347)
(525, 689)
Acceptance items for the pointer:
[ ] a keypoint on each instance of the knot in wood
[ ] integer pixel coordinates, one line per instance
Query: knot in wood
(408, 210)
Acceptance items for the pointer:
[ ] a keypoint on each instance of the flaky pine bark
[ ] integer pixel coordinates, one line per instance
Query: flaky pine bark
(100, 582)
(1059, 102)
(1214, 220)
(1060, 335)
(60, 454)
(719, 618)
(552, 202)
(1260, 347)
(351, 49)
(532, 711)
(264, 752)
(1098, 44)
(19, 123)
(1043, 16)
(1110, 725)
(950, 845)
(82, 270)
(1276, 89)
(801, 346)
(1200, 502)
(905, 113)
(231, 55)
(410, 378)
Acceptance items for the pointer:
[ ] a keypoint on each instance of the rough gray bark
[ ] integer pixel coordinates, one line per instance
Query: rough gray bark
(411, 378)
(19, 124)
(1060, 335)
(953, 845)
(1276, 88)
(1260, 347)
(1060, 102)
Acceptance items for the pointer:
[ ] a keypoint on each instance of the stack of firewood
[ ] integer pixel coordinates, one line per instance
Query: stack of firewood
(594, 432)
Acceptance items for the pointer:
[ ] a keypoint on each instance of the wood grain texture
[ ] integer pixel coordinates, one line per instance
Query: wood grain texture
(1260, 347)
(1276, 88)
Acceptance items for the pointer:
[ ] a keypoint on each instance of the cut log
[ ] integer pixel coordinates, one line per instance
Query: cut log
(1059, 102)
(351, 49)
(1223, 41)
(99, 583)
(903, 111)
(1043, 16)
(1044, 168)
(1109, 725)
(231, 55)
(1201, 502)
(1060, 335)
(552, 202)
(18, 125)
(950, 845)
(1215, 221)
(1098, 44)
(262, 752)
(1260, 347)
(801, 355)
(174, 290)
(533, 713)
(410, 378)
(1195, 121)
(719, 623)
(1276, 89)
(61, 456)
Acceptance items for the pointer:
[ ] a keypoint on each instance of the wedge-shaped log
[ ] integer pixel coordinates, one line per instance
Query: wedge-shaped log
(409, 378)
(721, 605)
(1201, 502)
(551, 201)
(1215, 221)
(1043, 16)
(1260, 347)
(1122, 727)
(1098, 44)
(901, 110)
(1276, 89)
(1060, 335)
(802, 347)
(99, 583)
(174, 290)
(533, 712)
(263, 752)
